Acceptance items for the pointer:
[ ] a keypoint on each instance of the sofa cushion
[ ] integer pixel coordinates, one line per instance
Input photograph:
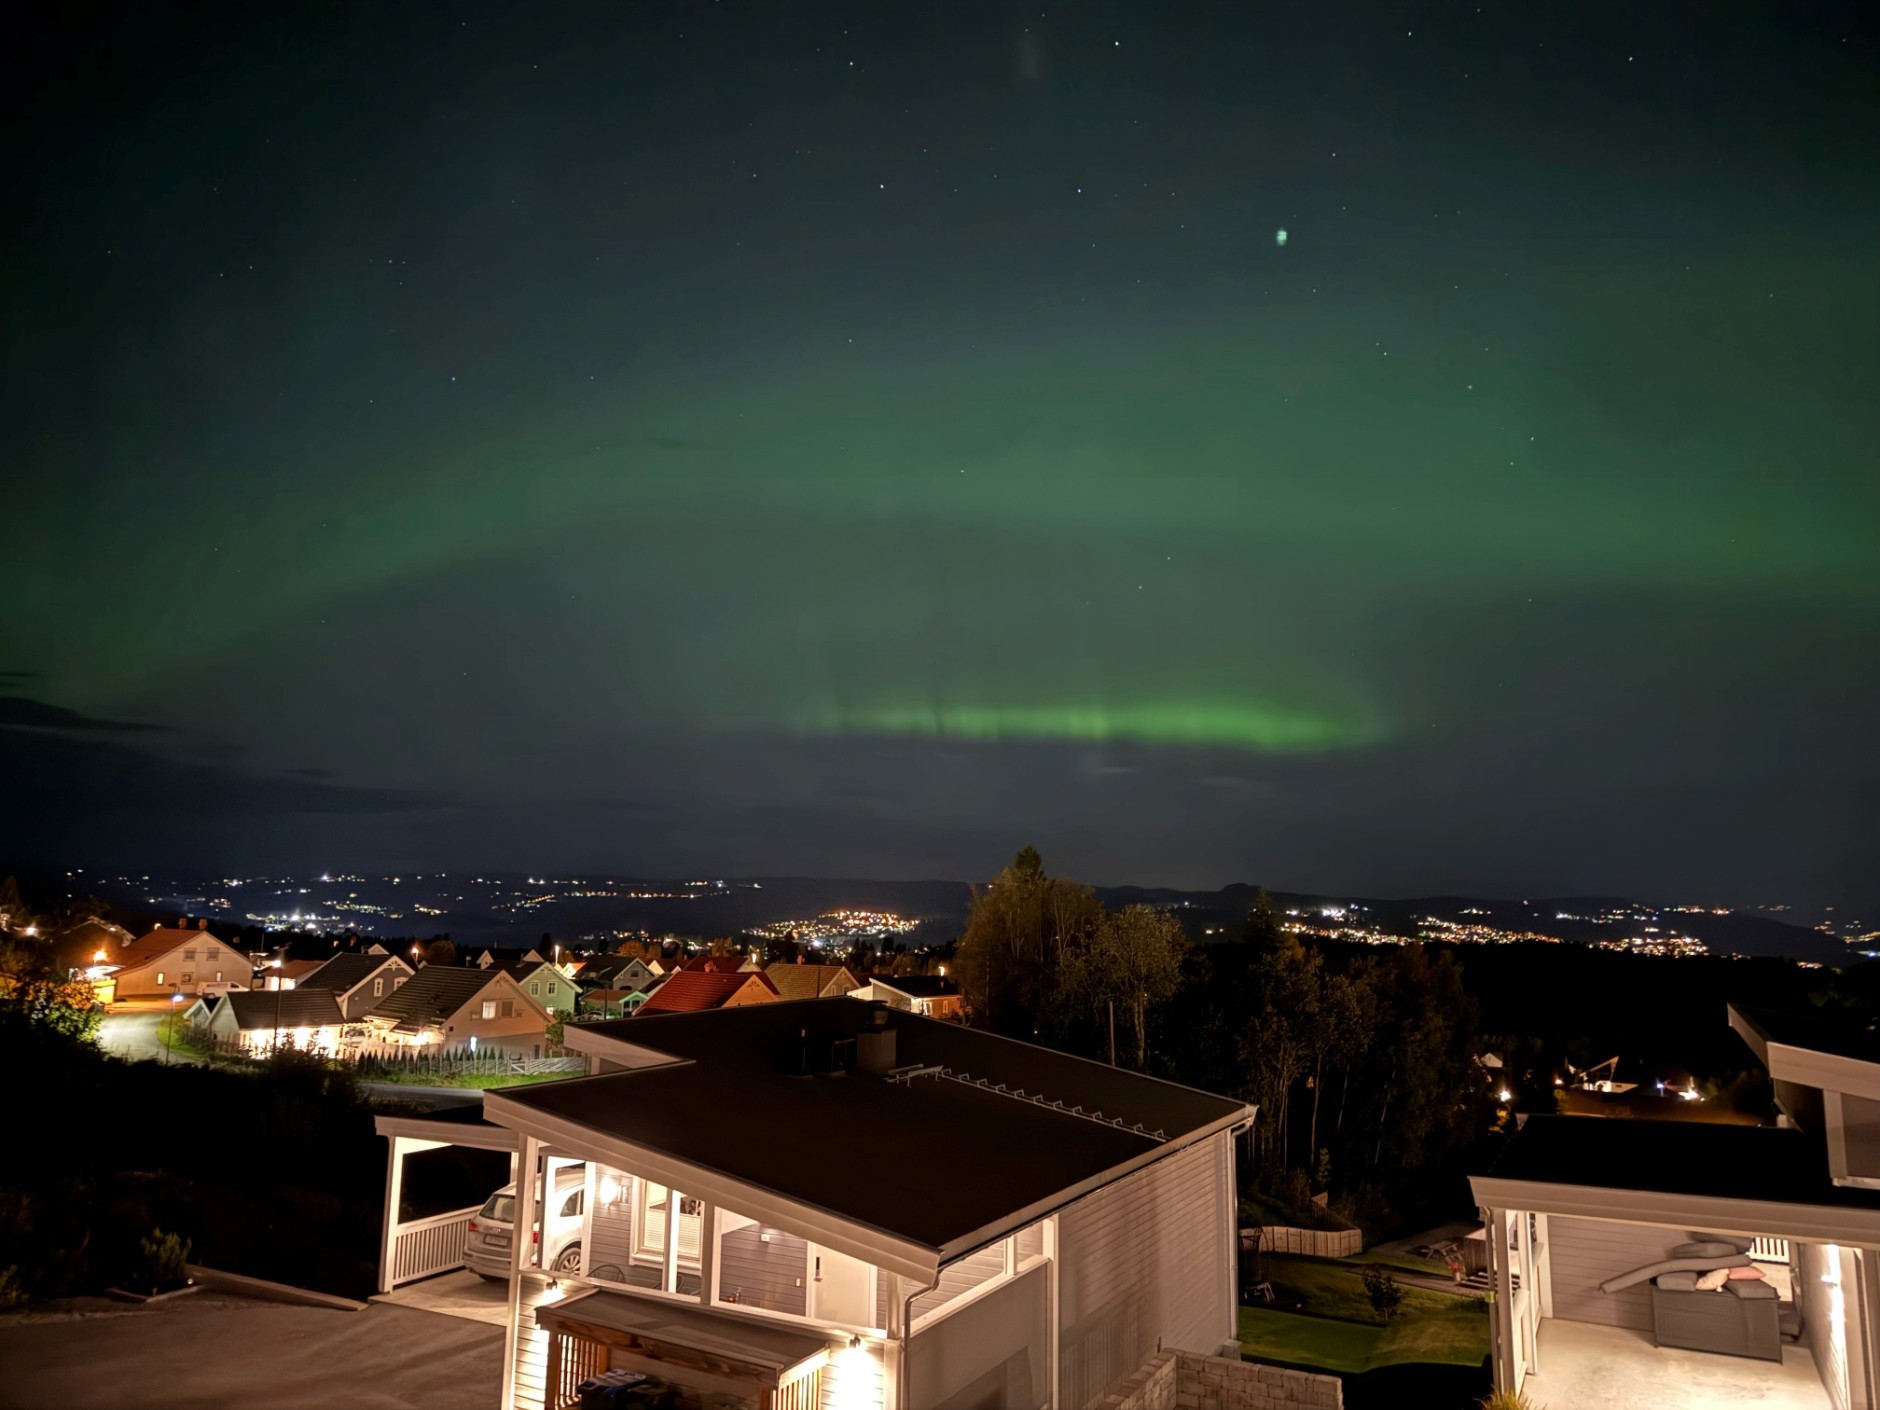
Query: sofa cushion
(1710, 1248)
(1735, 1242)
(1714, 1280)
(1677, 1282)
(1750, 1290)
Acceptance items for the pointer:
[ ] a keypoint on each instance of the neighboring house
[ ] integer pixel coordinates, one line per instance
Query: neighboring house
(358, 980)
(812, 981)
(925, 994)
(285, 975)
(1580, 1210)
(198, 1014)
(714, 964)
(306, 1019)
(460, 1006)
(693, 990)
(509, 958)
(828, 1203)
(611, 1003)
(553, 988)
(169, 961)
(618, 972)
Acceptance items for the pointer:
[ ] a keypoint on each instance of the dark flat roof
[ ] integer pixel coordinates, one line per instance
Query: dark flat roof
(1677, 1157)
(929, 1159)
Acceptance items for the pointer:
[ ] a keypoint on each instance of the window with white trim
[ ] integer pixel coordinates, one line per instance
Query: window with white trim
(489, 1008)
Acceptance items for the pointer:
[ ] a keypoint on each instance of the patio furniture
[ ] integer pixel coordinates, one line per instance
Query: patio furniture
(1743, 1318)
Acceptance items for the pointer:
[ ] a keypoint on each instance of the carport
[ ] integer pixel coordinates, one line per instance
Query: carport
(421, 1248)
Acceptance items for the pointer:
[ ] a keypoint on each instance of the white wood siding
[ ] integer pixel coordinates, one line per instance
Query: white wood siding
(1141, 1262)
(960, 1276)
(1583, 1253)
(990, 1355)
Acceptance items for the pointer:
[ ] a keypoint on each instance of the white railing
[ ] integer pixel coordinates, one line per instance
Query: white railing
(426, 1246)
(1770, 1250)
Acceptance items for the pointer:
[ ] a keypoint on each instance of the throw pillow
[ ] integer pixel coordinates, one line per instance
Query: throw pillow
(1737, 1274)
(1714, 1280)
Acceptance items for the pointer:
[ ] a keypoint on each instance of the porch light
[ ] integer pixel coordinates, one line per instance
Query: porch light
(1505, 1095)
(611, 1189)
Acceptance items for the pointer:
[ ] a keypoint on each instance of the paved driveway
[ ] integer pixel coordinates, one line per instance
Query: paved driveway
(210, 1352)
(129, 1030)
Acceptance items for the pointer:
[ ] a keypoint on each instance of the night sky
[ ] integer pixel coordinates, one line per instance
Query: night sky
(1387, 449)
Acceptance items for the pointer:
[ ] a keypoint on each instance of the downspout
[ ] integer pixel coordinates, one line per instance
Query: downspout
(907, 1332)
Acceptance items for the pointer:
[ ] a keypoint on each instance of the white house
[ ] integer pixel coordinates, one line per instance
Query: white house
(170, 960)
(305, 1019)
(826, 1203)
(1604, 1236)
(358, 980)
(460, 1006)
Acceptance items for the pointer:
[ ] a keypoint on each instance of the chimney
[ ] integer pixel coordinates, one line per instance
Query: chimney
(876, 1047)
(202, 923)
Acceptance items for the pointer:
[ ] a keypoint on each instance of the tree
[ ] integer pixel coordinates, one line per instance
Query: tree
(1385, 1292)
(440, 951)
(1134, 962)
(1009, 959)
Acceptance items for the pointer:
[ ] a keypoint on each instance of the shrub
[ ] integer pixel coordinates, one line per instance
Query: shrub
(161, 1260)
(1385, 1292)
(1507, 1400)
(12, 1292)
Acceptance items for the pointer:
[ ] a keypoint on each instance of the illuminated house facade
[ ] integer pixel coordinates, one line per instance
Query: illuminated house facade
(823, 1203)
(170, 960)
(308, 1020)
(1604, 1236)
(459, 1007)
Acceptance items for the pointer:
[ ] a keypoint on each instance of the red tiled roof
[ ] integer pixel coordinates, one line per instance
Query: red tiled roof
(691, 990)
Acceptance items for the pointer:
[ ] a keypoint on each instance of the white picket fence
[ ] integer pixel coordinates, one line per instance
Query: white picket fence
(1314, 1243)
(426, 1246)
(1770, 1250)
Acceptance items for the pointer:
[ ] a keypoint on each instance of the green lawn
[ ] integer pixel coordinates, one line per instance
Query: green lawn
(1457, 1337)
(480, 1080)
(1322, 1317)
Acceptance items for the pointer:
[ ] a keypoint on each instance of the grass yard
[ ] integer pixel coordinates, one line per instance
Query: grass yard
(1322, 1317)
(478, 1080)
(1458, 1337)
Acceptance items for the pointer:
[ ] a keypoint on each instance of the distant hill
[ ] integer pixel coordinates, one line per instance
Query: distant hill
(516, 911)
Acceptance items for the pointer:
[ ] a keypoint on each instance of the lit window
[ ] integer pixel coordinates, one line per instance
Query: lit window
(159, 978)
(378, 987)
(651, 1224)
(489, 1008)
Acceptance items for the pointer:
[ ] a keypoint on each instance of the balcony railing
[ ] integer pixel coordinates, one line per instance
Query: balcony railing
(426, 1246)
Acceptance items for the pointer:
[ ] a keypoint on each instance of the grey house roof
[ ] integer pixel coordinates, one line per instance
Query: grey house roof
(433, 994)
(286, 1008)
(345, 972)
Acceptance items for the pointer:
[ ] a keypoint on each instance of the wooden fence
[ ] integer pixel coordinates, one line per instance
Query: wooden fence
(1315, 1243)
(395, 1063)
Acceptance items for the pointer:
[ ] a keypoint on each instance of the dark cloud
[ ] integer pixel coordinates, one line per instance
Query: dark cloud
(19, 712)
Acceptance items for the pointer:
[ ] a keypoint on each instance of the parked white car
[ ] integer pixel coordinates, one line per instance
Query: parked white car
(491, 1238)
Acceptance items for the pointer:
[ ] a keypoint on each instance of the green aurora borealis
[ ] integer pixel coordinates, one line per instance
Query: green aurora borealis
(852, 474)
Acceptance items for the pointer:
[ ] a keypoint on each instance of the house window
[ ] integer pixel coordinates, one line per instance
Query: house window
(159, 979)
(212, 954)
(378, 987)
(489, 1008)
(509, 1008)
(534, 989)
(397, 980)
(190, 953)
(650, 1225)
(189, 979)
(218, 976)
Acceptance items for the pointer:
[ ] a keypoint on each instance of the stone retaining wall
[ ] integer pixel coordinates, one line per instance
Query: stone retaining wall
(1181, 1380)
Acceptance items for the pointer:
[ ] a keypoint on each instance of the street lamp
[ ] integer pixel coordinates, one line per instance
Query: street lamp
(275, 965)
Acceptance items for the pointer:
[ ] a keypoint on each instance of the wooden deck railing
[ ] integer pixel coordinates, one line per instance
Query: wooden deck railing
(426, 1246)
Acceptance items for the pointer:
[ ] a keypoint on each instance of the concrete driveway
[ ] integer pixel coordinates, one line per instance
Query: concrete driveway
(129, 1030)
(212, 1352)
